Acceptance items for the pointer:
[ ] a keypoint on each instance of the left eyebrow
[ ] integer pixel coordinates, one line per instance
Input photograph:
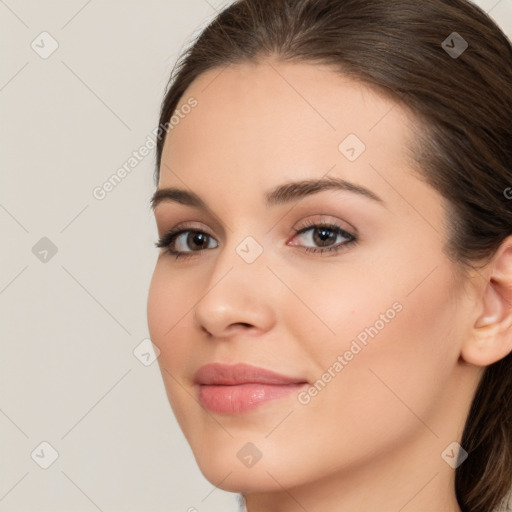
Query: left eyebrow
(297, 189)
(281, 194)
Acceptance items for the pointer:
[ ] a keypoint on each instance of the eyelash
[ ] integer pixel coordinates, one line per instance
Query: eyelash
(168, 239)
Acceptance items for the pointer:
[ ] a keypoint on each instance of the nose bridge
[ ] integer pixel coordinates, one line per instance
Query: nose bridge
(237, 289)
(243, 251)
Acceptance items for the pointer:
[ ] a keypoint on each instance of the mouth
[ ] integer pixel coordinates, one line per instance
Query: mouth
(234, 389)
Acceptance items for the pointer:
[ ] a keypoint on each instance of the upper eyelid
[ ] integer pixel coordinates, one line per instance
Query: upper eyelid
(338, 224)
(353, 235)
(308, 222)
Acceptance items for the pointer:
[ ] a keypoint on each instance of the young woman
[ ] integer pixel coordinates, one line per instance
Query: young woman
(333, 296)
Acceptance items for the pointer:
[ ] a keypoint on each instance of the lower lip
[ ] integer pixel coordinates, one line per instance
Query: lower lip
(242, 397)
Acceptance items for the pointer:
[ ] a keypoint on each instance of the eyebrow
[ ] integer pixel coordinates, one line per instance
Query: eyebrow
(279, 195)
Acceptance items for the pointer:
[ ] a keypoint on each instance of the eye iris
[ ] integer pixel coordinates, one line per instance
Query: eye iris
(197, 238)
(325, 236)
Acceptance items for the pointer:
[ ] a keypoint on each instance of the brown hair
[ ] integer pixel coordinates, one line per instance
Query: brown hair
(463, 105)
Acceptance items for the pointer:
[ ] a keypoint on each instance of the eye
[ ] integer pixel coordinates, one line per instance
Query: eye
(324, 237)
(177, 241)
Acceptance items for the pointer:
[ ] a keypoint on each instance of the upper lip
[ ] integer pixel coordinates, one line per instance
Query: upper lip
(231, 375)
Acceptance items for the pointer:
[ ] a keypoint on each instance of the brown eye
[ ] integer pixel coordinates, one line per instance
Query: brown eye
(196, 240)
(324, 236)
(183, 242)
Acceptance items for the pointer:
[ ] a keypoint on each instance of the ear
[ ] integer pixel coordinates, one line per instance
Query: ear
(490, 338)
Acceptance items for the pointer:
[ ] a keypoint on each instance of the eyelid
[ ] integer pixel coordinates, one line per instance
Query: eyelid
(186, 225)
(328, 225)
(179, 229)
(170, 216)
(323, 219)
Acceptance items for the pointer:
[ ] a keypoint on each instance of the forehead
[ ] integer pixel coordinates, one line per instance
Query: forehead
(281, 111)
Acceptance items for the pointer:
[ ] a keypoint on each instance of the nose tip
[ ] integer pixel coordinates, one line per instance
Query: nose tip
(235, 305)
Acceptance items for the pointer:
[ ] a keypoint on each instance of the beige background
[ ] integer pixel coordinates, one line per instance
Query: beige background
(72, 320)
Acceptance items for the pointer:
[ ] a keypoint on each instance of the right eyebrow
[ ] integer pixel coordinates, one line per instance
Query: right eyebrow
(177, 195)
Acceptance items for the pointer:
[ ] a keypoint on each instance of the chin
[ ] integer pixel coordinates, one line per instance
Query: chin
(241, 480)
(226, 470)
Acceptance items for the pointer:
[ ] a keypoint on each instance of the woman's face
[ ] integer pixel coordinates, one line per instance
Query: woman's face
(368, 332)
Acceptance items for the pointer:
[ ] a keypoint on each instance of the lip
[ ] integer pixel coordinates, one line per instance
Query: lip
(234, 389)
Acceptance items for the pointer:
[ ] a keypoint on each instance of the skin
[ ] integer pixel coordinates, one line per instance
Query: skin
(374, 435)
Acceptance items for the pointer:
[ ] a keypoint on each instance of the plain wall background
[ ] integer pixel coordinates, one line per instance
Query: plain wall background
(72, 320)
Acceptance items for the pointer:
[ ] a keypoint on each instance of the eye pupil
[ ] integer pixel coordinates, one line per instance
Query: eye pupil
(198, 238)
(325, 235)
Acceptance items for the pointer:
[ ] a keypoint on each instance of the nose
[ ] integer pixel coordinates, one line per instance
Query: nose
(236, 299)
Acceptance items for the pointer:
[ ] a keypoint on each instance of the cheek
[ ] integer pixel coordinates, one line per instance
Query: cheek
(168, 307)
(160, 303)
(398, 345)
(399, 301)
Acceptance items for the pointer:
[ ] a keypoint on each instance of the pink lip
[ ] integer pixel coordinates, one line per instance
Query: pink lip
(232, 389)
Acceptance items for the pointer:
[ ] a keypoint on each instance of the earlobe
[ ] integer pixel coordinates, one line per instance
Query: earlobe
(491, 336)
